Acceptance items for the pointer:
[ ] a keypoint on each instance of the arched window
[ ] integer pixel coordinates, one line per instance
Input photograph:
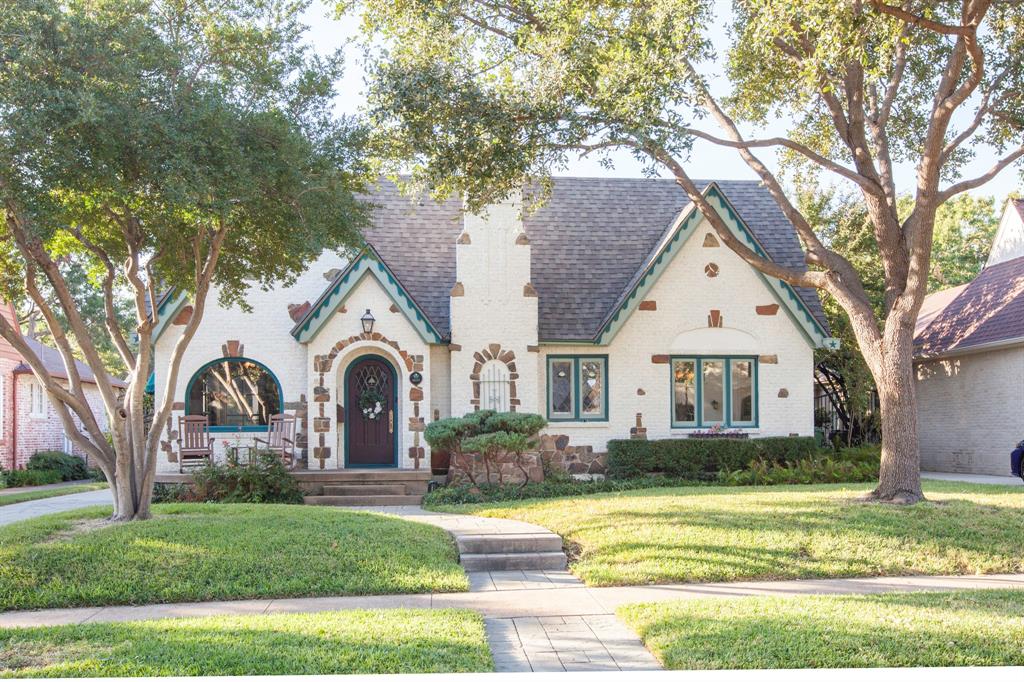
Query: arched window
(235, 393)
(494, 386)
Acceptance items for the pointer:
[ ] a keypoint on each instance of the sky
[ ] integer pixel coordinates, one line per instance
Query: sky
(706, 160)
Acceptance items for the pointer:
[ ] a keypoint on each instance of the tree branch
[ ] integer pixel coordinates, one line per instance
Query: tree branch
(980, 180)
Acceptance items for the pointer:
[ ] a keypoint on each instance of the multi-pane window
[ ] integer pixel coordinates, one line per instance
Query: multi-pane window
(714, 391)
(235, 393)
(36, 399)
(578, 387)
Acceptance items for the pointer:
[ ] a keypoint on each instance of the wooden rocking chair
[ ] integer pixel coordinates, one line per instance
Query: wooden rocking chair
(195, 444)
(280, 438)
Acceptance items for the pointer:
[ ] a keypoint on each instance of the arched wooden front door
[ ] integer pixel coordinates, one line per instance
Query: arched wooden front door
(370, 413)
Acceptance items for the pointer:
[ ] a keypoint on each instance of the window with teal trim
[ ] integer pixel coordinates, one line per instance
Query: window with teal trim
(235, 393)
(710, 391)
(578, 388)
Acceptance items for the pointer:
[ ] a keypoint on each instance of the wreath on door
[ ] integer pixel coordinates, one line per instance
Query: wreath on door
(371, 403)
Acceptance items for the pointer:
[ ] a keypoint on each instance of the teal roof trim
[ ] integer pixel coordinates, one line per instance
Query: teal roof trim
(167, 311)
(672, 244)
(367, 264)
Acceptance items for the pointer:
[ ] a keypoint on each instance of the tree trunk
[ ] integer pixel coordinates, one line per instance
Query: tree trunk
(899, 480)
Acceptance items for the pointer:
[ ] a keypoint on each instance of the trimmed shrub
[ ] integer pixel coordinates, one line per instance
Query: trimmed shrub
(71, 468)
(30, 477)
(701, 459)
(495, 436)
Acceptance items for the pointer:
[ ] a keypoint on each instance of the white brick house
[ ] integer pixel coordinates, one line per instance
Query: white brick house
(613, 307)
(969, 361)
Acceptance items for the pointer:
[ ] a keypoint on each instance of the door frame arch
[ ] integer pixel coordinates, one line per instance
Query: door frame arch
(350, 409)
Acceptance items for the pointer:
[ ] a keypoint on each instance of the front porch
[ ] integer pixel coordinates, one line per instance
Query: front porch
(351, 487)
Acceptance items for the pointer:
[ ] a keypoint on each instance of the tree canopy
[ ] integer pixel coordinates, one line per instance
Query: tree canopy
(162, 144)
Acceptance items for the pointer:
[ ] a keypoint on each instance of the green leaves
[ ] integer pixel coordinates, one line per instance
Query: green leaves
(146, 126)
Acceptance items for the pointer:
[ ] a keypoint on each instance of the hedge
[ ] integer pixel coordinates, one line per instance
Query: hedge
(702, 458)
(71, 468)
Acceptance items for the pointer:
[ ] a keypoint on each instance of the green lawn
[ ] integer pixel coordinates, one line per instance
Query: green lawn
(29, 495)
(385, 641)
(197, 552)
(710, 533)
(967, 628)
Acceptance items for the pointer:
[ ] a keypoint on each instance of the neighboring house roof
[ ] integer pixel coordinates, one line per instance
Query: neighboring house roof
(988, 311)
(933, 305)
(54, 364)
(589, 242)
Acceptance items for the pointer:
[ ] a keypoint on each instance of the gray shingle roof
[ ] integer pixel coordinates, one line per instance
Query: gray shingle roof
(54, 363)
(988, 310)
(587, 242)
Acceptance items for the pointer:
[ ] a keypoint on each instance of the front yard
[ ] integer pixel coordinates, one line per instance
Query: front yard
(967, 628)
(198, 552)
(713, 533)
(368, 642)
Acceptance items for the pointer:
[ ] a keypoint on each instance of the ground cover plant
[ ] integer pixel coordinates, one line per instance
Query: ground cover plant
(368, 642)
(963, 628)
(711, 533)
(29, 495)
(198, 552)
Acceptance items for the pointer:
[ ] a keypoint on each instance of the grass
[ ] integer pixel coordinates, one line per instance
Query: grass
(382, 641)
(709, 533)
(198, 552)
(29, 495)
(966, 628)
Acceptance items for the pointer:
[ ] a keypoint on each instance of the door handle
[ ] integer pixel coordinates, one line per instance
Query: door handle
(391, 421)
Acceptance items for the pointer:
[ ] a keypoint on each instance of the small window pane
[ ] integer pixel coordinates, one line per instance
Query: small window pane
(713, 391)
(684, 382)
(591, 388)
(235, 393)
(560, 383)
(742, 391)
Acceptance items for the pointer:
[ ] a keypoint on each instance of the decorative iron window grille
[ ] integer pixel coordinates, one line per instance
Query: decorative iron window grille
(494, 386)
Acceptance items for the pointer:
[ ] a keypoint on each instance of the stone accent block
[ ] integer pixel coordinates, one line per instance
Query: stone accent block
(321, 394)
(783, 392)
(321, 424)
(715, 318)
(297, 311)
(660, 359)
(522, 239)
(768, 359)
(648, 305)
(464, 239)
(458, 290)
(710, 241)
(529, 291)
(416, 394)
(770, 309)
(183, 316)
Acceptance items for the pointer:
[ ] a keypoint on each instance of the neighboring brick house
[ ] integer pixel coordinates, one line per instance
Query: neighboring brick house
(28, 422)
(969, 359)
(612, 309)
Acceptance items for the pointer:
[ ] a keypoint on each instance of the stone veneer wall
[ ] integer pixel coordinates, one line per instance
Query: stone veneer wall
(554, 451)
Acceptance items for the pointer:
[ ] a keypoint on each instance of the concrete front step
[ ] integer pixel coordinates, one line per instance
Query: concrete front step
(363, 500)
(518, 543)
(363, 489)
(517, 561)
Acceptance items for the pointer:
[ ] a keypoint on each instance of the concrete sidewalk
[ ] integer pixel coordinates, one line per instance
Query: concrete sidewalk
(558, 599)
(22, 511)
(973, 478)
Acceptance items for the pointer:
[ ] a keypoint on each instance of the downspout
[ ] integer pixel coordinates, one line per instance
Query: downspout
(14, 420)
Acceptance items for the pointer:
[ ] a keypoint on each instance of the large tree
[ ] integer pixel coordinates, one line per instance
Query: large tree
(476, 95)
(168, 145)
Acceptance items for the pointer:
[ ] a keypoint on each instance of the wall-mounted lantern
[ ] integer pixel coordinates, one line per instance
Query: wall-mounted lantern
(367, 321)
